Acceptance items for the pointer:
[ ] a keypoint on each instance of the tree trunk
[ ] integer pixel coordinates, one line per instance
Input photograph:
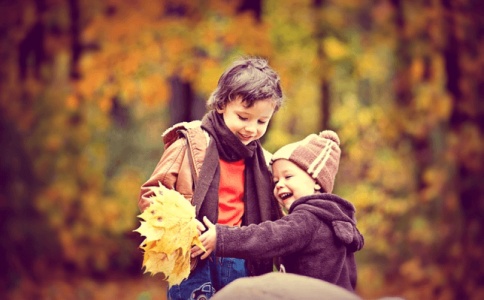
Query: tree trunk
(324, 85)
(184, 104)
(254, 6)
(31, 48)
(469, 178)
(76, 47)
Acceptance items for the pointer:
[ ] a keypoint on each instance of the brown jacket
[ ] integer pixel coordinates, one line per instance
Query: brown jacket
(176, 170)
(318, 238)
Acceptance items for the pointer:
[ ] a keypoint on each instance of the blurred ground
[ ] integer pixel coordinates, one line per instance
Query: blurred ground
(145, 288)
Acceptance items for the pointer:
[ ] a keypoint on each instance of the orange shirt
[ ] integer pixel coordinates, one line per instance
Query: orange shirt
(231, 193)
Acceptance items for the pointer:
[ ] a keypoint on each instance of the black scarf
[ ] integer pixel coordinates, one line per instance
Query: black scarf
(260, 204)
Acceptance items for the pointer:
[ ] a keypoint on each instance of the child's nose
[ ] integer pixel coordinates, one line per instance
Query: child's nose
(250, 127)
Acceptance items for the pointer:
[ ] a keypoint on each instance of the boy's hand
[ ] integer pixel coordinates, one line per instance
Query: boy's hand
(208, 239)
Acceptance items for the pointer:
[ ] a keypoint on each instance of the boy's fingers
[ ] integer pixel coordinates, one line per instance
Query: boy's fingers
(200, 226)
(207, 222)
(206, 254)
(196, 252)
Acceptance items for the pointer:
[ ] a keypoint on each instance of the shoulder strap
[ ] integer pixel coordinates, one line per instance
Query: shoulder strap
(197, 140)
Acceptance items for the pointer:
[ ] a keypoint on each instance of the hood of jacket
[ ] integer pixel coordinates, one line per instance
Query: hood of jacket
(336, 212)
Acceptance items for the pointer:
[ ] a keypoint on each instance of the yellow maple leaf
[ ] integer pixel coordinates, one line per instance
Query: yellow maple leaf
(181, 268)
(158, 262)
(170, 230)
(149, 231)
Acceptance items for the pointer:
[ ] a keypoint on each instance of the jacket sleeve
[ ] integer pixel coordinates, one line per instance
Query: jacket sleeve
(268, 239)
(172, 171)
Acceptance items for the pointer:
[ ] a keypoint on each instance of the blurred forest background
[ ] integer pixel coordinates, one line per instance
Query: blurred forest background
(88, 86)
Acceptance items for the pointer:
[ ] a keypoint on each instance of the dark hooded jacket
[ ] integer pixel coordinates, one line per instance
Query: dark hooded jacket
(317, 238)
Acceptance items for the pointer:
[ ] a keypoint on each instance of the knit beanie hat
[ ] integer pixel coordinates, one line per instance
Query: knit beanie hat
(318, 155)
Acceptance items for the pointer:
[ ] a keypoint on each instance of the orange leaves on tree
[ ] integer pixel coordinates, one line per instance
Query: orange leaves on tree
(335, 49)
(170, 230)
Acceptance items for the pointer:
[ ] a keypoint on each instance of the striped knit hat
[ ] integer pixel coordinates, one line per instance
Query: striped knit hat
(318, 155)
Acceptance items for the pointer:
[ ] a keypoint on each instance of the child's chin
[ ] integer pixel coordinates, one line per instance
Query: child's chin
(246, 142)
(288, 203)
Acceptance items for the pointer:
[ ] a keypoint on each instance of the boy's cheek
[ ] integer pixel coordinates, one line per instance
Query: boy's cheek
(263, 131)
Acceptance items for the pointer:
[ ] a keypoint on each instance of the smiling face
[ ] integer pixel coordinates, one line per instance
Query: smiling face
(291, 182)
(248, 123)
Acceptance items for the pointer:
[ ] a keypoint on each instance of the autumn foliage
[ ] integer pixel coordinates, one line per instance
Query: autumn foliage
(87, 87)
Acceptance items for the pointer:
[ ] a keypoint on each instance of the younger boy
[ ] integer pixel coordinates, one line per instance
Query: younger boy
(318, 237)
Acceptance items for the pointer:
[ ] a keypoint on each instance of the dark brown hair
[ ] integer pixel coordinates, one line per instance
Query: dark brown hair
(252, 79)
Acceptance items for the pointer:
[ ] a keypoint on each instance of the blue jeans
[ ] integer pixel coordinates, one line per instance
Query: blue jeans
(209, 276)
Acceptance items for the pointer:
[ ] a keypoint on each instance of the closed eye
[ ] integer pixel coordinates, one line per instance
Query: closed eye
(242, 118)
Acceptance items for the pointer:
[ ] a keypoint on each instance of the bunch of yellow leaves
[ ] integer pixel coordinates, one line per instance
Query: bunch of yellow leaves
(170, 228)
